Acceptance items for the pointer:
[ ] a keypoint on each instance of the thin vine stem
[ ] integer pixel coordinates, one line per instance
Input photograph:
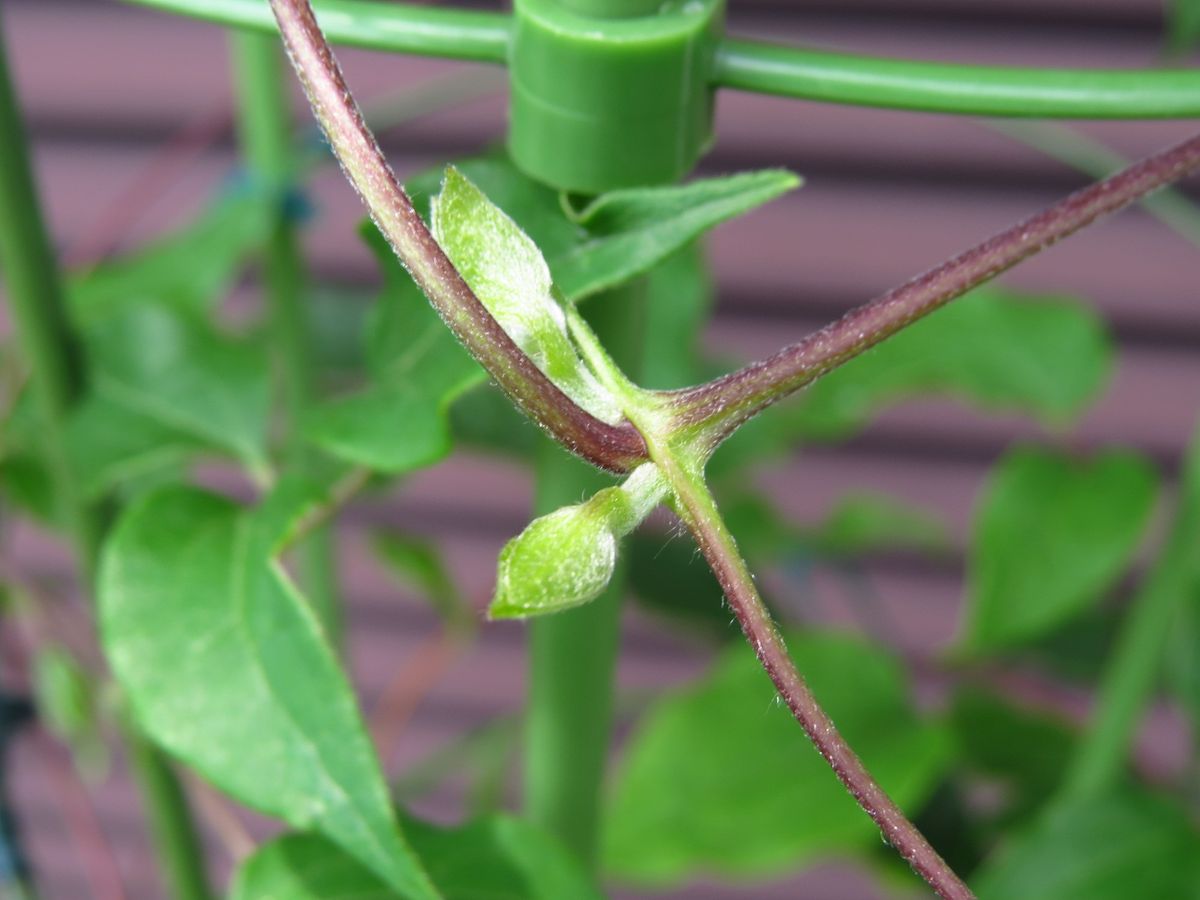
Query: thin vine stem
(615, 447)
(699, 511)
(717, 408)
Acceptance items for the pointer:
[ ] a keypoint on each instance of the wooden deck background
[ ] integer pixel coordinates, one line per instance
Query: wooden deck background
(887, 194)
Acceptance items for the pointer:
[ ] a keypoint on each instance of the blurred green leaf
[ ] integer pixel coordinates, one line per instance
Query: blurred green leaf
(187, 378)
(27, 485)
(1025, 751)
(418, 564)
(1044, 356)
(188, 271)
(417, 368)
(1183, 25)
(497, 858)
(719, 778)
(1108, 847)
(484, 418)
(1052, 533)
(630, 231)
(668, 577)
(110, 443)
(869, 523)
(226, 666)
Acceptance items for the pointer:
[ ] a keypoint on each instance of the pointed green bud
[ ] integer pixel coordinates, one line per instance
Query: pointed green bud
(567, 558)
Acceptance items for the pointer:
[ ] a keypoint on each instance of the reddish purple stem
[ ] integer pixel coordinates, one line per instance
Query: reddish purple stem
(727, 402)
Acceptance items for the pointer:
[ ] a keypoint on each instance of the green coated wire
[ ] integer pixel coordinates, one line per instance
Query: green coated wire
(401, 27)
(767, 68)
(954, 88)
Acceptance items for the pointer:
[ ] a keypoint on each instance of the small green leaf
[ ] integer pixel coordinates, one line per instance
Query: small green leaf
(398, 422)
(619, 235)
(1044, 356)
(630, 231)
(719, 778)
(179, 372)
(506, 271)
(567, 558)
(1051, 535)
(188, 271)
(1108, 847)
(226, 667)
(497, 858)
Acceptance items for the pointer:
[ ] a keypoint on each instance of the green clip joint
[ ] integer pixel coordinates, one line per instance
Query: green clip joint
(611, 94)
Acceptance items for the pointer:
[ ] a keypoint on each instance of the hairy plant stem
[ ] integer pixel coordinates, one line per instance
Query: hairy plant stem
(615, 447)
(1129, 675)
(716, 409)
(265, 128)
(36, 297)
(682, 467)
(699, 512)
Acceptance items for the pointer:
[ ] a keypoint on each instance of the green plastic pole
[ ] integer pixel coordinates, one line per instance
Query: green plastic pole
(602, 98)
(605, 102)
(573, 655)
(265, 128)
(36, 299)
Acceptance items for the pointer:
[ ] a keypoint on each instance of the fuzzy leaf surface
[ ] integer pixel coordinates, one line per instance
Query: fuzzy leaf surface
(619, 235)
(227, 668)
(1051, 535)
(509, 275)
